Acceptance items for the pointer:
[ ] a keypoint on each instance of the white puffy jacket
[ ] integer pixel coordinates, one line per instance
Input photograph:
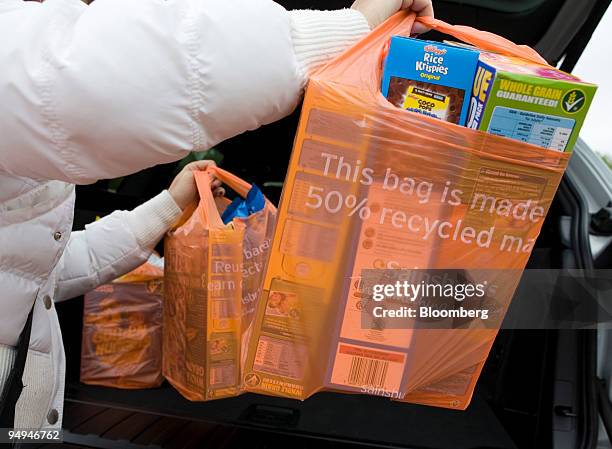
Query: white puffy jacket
(100, 91)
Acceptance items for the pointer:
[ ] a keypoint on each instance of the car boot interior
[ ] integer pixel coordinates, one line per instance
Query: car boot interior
(514, 403)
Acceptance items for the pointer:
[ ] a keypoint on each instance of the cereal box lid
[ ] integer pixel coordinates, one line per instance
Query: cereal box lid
(520, 66)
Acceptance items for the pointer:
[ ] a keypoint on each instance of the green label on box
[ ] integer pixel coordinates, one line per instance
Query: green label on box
(534, 104)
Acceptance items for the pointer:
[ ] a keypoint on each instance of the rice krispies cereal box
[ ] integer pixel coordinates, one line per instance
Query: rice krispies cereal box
(430, 78)
(525, 101)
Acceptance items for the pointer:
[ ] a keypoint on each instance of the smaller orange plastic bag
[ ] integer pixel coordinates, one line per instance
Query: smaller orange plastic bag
(122, 335)
(213, 278)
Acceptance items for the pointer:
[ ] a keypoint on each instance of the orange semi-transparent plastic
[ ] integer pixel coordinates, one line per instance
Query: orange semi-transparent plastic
(213, 277)
(335, 220)
(122, 335)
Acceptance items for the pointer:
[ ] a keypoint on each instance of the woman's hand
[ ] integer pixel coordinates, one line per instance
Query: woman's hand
(183, 189)
(377, 11)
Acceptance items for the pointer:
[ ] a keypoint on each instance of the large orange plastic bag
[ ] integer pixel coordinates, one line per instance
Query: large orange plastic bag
(122, 335)
(213, 277)
(371, 186)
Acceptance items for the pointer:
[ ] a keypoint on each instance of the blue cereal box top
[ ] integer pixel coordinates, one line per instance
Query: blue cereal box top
(430, 78)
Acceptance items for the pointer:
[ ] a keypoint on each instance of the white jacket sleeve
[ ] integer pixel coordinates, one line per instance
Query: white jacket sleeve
(114, 246)
(100, 91)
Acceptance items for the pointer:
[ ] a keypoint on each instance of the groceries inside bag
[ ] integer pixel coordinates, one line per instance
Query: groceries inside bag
(372, 189)
(213, 275)
(501, 94)
(122, 335)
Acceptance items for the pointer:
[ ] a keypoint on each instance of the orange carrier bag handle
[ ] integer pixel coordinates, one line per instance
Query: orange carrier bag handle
(208, 207)
(240, 186)
(484, 40)
(361, 65)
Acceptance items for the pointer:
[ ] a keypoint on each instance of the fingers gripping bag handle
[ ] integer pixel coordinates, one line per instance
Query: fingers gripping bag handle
(240, 186)
(207, 207)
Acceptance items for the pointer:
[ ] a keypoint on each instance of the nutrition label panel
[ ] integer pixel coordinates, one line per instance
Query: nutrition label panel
(547, 131)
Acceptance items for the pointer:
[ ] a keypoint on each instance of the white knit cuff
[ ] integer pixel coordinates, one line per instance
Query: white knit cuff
(318, 36)
(150, 221)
